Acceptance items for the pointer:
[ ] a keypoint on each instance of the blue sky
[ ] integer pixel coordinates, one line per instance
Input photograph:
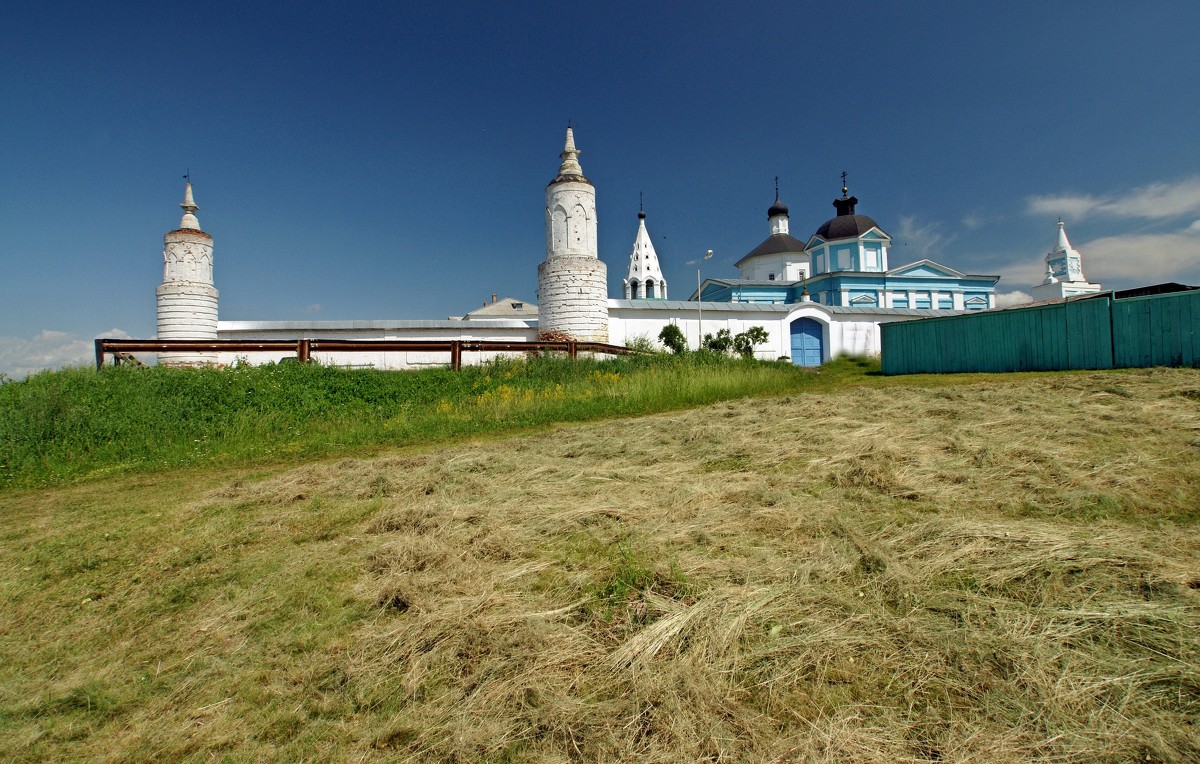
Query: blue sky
(371, 160)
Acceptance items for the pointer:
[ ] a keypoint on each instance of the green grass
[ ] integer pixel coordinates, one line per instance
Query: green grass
(970, 568)
(81, 423)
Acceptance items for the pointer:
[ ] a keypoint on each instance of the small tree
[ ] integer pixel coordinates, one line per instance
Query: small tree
(744, 342)
(672, 338)
(719, 344)
(640, 342)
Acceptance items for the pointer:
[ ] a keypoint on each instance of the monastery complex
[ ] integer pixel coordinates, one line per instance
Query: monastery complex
(817, 298)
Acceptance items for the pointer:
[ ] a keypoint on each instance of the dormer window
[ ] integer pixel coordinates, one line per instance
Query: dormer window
(770, 277)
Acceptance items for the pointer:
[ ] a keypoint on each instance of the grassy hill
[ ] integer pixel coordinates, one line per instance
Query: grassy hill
(999, 568)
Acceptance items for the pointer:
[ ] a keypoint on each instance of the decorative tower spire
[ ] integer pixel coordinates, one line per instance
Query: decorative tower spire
(644, 278)
(1064, 260)
(1064, 271)
(777, 213)
(570, 169)
(1063, 244)
(189, 220)
(845, 205)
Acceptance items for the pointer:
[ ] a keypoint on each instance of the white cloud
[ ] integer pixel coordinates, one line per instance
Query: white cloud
(48, 349)
(1015, 297)
(1021, 271)
(977, 219)
(1156, 201)
(914, 240)
(1144, 258)
(314, 308)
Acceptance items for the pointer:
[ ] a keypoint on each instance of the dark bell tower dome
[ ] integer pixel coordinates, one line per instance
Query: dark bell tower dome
(847, 224)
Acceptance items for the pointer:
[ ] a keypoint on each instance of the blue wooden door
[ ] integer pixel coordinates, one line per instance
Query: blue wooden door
(806, 342)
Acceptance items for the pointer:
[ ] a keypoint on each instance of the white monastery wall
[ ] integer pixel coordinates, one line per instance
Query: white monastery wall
(493, 331)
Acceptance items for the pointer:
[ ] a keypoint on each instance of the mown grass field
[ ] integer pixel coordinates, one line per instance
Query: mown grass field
(976, 568)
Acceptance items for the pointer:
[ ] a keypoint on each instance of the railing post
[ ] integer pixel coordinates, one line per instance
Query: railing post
(456, 355)
(99, 354)
(572, 349)
(303, 350)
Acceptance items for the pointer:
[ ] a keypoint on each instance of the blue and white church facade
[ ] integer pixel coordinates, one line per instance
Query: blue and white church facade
(816, 299)
(845, 264)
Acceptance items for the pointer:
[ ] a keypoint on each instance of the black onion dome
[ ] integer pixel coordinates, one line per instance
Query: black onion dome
(846, 227)
(775, 244)
(778, 208)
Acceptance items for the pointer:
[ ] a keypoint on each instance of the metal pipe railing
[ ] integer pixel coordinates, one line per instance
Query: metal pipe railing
(304, 348)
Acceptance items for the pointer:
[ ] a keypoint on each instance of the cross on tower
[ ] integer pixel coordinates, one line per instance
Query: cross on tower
(844, 188)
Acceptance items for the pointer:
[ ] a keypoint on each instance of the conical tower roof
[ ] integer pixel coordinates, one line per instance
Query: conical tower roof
(189, 220)
(570, 170)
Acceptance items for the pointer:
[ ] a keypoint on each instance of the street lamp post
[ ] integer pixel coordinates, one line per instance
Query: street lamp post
(700, 304)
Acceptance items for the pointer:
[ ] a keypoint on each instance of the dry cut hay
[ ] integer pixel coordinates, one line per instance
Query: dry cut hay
(996, 572)
(893, 575)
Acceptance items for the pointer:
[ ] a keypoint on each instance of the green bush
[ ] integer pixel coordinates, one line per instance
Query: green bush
(744, 342)
(672, 338)
(719, 344)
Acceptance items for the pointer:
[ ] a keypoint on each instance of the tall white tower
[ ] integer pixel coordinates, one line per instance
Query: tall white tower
(1064, 271)
(187, 300)
(644, 279)
(572, 282)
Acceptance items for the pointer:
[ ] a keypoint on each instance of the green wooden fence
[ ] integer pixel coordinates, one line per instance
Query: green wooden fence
(1084, 333)
(1162, 330)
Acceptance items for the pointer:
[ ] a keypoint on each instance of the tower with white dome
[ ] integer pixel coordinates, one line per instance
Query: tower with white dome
(573, 281)
(187, 300)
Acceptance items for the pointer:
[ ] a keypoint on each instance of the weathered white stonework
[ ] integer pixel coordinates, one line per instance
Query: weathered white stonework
(569, 289)
(572, 283)
(187, 300)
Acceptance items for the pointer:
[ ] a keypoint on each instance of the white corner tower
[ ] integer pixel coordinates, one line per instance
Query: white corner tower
(187, 300)
(1064, 271)
(572, 282)
(644, 279)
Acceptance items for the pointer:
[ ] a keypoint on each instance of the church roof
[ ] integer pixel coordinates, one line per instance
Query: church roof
(847, 224)
(846, 227)
(689, 306)
(505, 308)
(775, 244)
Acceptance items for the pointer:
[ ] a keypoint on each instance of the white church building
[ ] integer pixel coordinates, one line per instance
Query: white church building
(817, 299)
